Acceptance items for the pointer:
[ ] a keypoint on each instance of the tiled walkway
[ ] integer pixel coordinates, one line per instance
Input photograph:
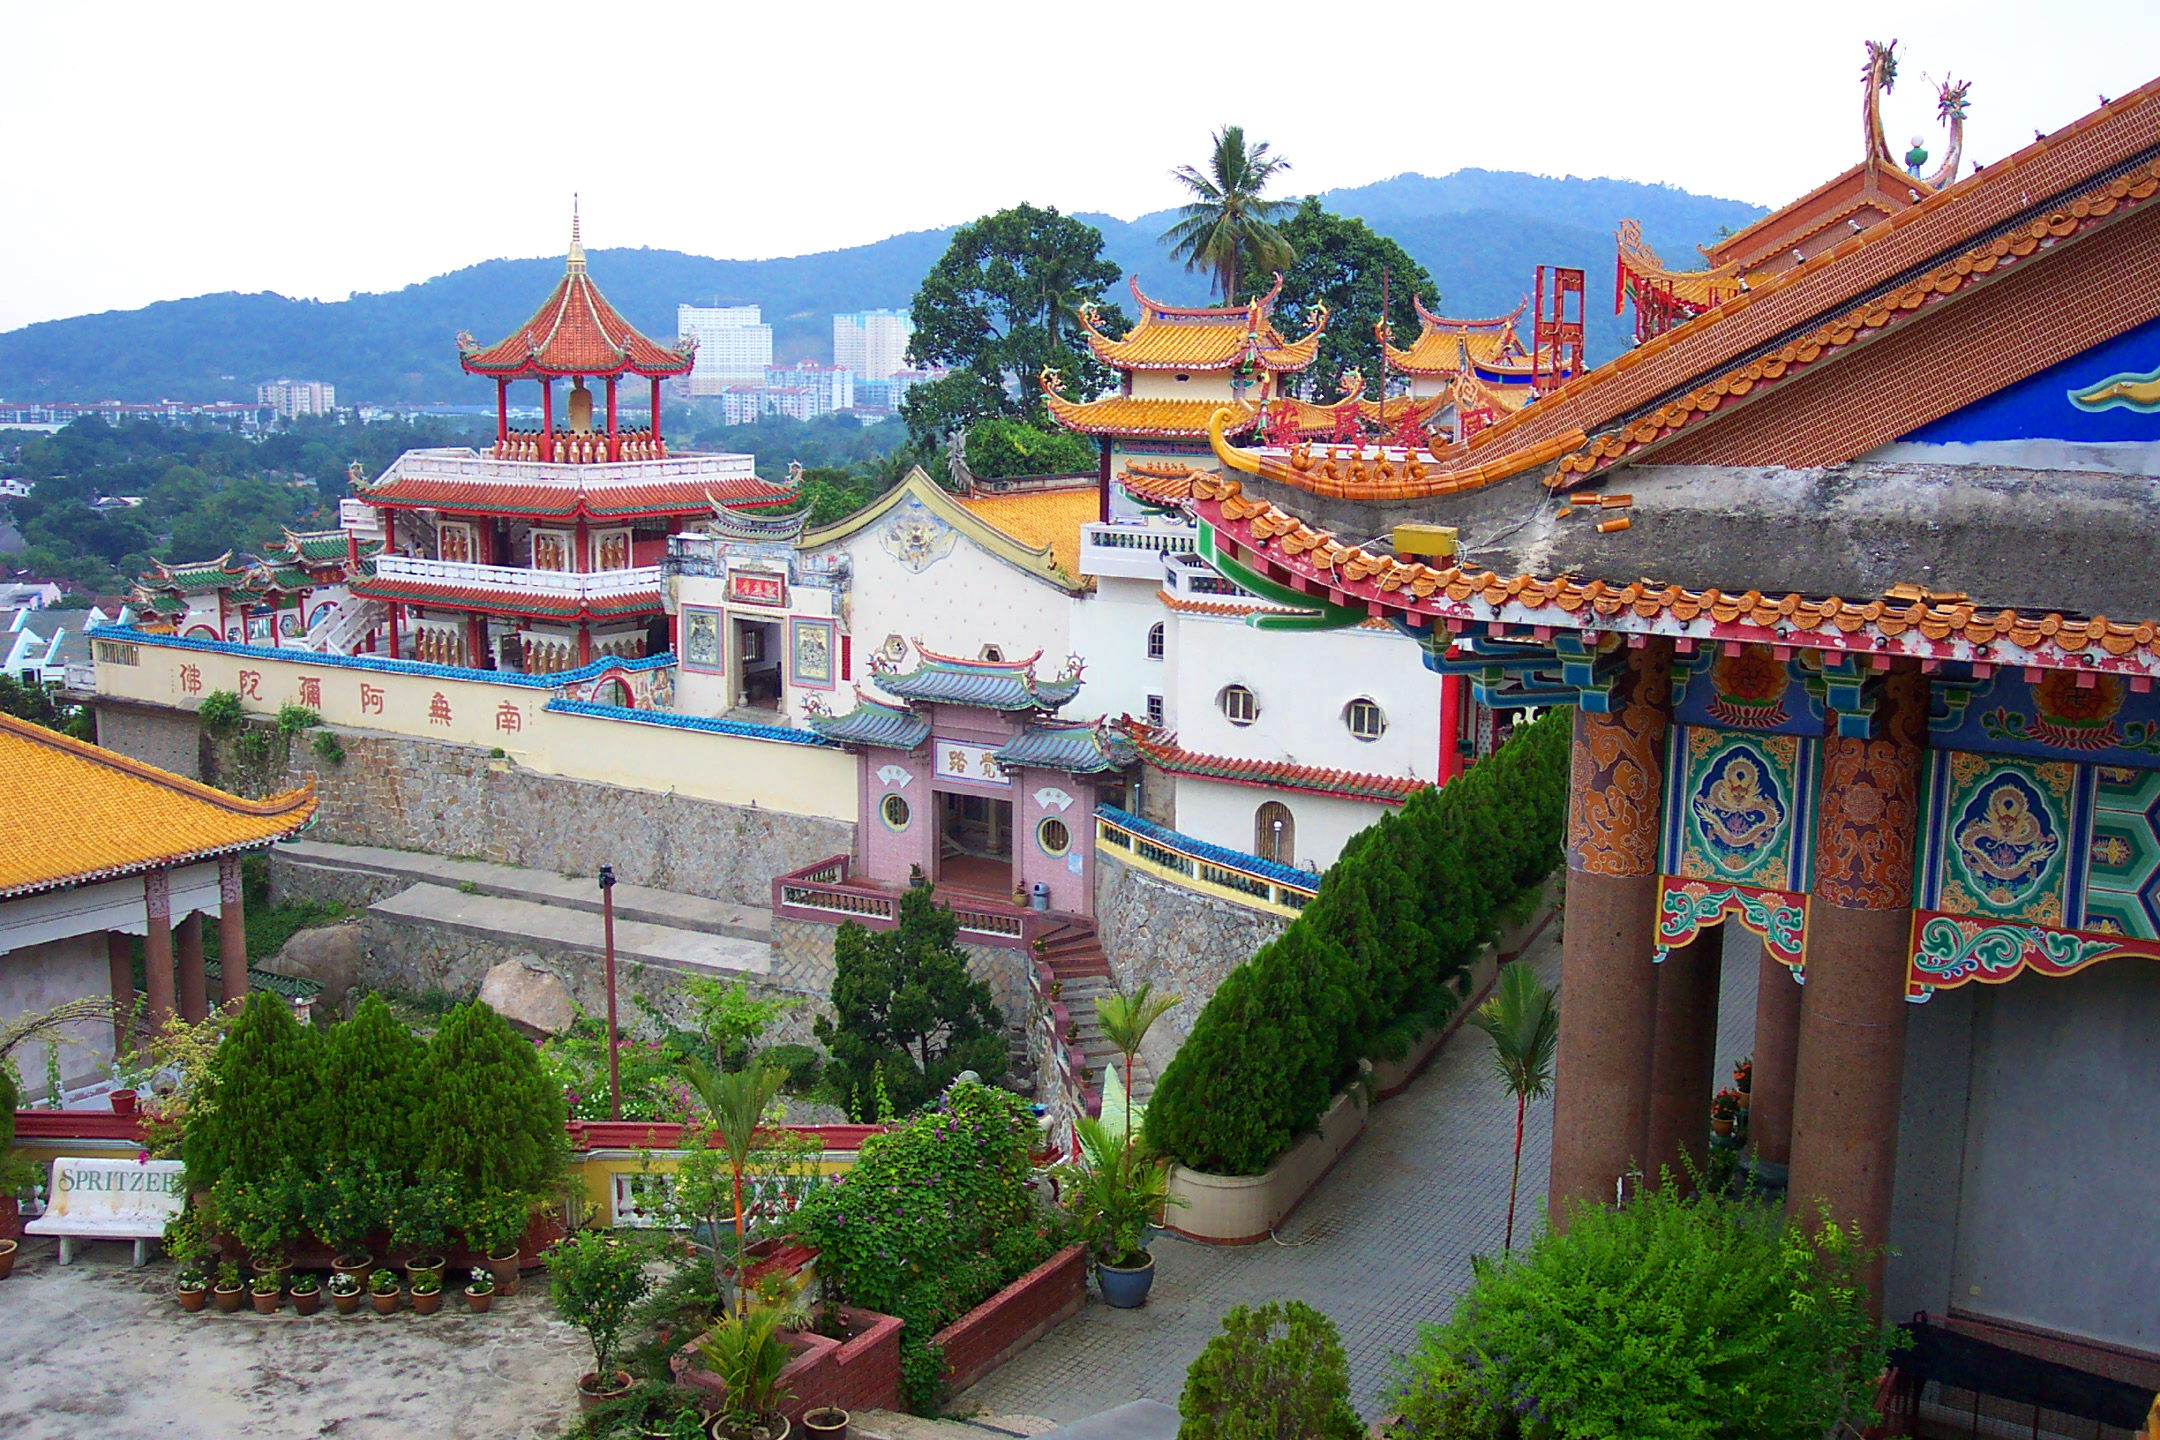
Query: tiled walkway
(1383, 1246)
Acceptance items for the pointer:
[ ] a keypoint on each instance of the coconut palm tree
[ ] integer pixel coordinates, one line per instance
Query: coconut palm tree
(1523, 1019)
(1126, 1020)
(1227, 228)
(737, 1101)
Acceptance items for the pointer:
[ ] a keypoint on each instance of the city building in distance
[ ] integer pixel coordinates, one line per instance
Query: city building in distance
(872, 343)
(293, 398)
(734, 346)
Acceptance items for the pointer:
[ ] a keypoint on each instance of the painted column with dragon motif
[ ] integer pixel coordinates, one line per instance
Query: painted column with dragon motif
(1849, 1073)
(1608, 983)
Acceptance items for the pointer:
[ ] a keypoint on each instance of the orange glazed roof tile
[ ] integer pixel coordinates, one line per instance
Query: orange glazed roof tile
(574, 332)
(1131, 415)
(72, 813)
(1165, 753)
(1188, 337)
(1041, 519)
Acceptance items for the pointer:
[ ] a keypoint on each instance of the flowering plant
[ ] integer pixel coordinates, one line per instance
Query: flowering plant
(305, 1284)
(1743, 1075)
(343, 1283)
(427, 1282)
(383, 1282)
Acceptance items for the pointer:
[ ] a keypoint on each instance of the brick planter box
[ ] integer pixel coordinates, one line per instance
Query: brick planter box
(862, 1372)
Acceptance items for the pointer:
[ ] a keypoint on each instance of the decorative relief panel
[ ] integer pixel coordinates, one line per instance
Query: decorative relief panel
(1738, 811)
(1617, 773)
(1870, 807)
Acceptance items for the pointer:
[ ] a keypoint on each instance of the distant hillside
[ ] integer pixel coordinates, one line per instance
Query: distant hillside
(1480, 232)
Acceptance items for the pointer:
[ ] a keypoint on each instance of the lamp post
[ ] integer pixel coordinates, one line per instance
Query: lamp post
(607, 926)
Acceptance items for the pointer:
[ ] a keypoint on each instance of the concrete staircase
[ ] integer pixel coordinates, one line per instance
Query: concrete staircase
(1076, 960)
(538, 910)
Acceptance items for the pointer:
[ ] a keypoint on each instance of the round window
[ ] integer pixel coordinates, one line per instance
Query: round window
(894, 812)
(1053, 836)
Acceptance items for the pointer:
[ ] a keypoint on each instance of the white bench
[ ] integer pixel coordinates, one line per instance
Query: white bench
(110, 1200)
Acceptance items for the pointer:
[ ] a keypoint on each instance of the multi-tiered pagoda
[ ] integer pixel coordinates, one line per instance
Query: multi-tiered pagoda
(543, 553)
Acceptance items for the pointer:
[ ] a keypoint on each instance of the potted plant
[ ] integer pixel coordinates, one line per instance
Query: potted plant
(190, 1252)
(383, 1291)
(1724, 1112)
(494, 1225)
(595, 1280)
(747, 1353)
(230, 1292)
(827, 1422)
(306, 1294)
(480, 1294)
(191, 1286)
(345, 1292)
(420, 1221)
(264, 1216)
(269, 1290)
(427, 1292)
(1116, 1194)
(1743, 1079)
(343, 1206)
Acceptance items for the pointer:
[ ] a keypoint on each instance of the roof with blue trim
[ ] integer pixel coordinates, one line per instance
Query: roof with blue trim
(1008, 685)
(871, 722)
(1079, 748)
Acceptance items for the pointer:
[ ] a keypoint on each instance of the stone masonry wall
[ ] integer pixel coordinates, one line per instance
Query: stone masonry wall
(1181, 941)
(168, 739)
(456, 800)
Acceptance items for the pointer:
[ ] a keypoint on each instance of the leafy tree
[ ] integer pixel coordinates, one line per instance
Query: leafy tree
(493, 1121)
(1228, 227)
(1001, 306)
(906, 1009)
(36, 704)
(378, 1071)
(1523, 1019)
(1345, 265)
(259, 1115)
(1000, 448)
(1669, 1319)
(1276, 1373)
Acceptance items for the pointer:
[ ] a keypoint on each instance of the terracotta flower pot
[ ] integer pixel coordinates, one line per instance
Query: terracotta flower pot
(590, 1399)
(827, 1422)
(479, 1304)
(306, 1302)
(346, 1304)
(424, 1265)
(123, 1102)
(772, 1427)
(504, 1267)
(266, 1304)
(7, 1258)
(192, 1300)
(1743, 1098)
(1721, 1126)
(229, 1301)
(357, 1265)
(384, 1303)
(426, 1304)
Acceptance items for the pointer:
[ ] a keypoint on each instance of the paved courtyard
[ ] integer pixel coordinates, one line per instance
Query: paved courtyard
(1383, 1246)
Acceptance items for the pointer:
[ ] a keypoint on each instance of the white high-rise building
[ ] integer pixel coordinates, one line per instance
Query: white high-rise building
(872, 343)
(734, 345)
(830, 387)
(291, 398)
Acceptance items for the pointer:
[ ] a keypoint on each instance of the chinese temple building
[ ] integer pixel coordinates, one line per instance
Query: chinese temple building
(1849, 579)
(299, 583)
(1478, 368)
(543, 553)
(101, 850)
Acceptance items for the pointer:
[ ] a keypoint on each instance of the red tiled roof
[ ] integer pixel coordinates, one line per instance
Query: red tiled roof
(574, 332)
(1165, 753)
(507, 600)
(595, 498)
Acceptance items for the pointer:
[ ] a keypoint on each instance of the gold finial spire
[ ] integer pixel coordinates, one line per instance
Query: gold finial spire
(577, 246)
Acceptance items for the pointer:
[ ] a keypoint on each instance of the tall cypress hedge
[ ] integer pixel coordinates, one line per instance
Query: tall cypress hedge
(1399, 915)
(376, 1070)
(260, 1116)
(493, 1120)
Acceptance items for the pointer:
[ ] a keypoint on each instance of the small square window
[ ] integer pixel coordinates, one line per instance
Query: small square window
(1155, 711)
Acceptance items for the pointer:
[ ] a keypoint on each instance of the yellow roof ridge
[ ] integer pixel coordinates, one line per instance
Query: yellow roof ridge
(268, 807)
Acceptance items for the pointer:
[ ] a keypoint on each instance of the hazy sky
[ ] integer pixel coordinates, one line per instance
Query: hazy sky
(161, 150)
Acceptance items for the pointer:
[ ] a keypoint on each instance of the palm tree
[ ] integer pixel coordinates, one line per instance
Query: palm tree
(1228, 228)
(738, 1101)
(1126, 1020)
(1523, 1019)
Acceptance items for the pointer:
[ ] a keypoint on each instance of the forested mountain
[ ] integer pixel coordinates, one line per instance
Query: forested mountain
(1479, 232)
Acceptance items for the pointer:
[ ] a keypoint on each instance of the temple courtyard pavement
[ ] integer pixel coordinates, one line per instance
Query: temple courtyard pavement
(1382, 1246)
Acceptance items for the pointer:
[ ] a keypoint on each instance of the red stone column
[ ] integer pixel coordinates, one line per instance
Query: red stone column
(1777, 1042)
(1683, 1065)
(659, 451)
(1453, 689)
(547, 418)
(502, 414)
(614, 437)
(1850, 1071)
(158, 948)
(120, 967)
(1608, 990)
(194, 984)
(232, 933)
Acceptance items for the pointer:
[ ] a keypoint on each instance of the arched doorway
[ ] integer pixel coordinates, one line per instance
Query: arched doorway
(1275, 833)
(614, 692)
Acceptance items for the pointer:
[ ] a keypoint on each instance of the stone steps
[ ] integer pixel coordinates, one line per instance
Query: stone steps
(549, 929)
(635, 904)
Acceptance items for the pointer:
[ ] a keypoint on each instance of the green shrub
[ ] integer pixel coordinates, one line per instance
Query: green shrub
(220, 712)
(1671, 1319)
(801, 1062)
(378, 1070)
(14, 1173)
(493, 1119)
(998, 448)
(328, 748)
(934, 1218)
(596, 1279)
(1276, 1373)
(259, 1117)
(1368, 965)
(292, 719)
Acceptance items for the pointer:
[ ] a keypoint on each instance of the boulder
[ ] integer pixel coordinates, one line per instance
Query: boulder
(329, 955)
(529, 996)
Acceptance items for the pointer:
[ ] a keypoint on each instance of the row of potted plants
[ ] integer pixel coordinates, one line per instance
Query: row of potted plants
(196, 1286)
